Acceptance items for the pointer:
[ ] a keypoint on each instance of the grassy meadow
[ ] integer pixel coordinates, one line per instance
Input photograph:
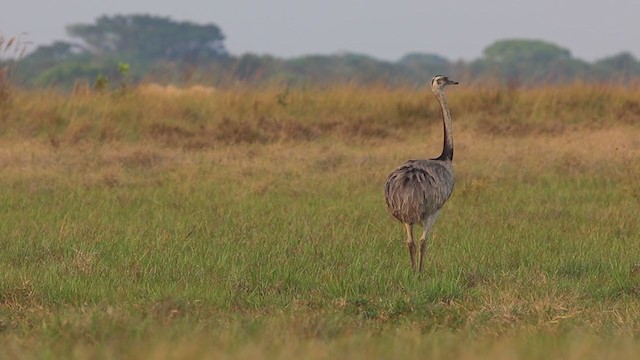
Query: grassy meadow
(250, 224)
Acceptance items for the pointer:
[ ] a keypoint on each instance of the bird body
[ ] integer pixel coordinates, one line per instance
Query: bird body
(418, 188)
(416, 191)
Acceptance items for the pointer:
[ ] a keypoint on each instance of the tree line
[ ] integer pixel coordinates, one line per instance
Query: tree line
(140, 48)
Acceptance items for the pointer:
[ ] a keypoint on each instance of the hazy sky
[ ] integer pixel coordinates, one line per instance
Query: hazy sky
(456, 29)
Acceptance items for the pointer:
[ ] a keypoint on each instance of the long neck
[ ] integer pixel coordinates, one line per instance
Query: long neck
(447, 147)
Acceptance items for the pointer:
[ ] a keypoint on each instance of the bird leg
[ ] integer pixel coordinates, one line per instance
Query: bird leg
(428, 222)
(423, 249)
(411, 245)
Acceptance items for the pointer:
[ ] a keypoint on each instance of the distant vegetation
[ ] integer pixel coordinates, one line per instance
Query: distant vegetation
(162, 50)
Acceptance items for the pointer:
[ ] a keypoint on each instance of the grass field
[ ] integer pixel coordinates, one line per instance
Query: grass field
(250, 224)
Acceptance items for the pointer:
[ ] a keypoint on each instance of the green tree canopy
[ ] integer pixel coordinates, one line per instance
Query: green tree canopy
(422, 60)
(421, 67)
(143, 41)
(508, 52)
(622, 66)
(150, 37)
(532, 61)
(57, 52)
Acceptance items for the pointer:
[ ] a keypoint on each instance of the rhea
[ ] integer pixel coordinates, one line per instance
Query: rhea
(416, 191)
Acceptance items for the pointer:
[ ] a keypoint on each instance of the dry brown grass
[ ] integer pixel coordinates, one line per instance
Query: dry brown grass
(582, 150)
(197, 118)
(574, 128)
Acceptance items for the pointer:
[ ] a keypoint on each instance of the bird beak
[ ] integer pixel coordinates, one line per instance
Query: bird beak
(451, 82)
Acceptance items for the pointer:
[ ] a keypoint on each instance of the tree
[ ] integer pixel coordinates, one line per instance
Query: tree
(530, 61)
(34, 69)
(422, 67)
(59, 51)
(143, 41)
(622, 66)
(510, 51)
(64, 73)
(342, 67)
(432, 62)
(252, 67)
(150, 38)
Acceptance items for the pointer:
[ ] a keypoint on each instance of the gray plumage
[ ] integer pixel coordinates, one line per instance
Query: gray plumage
(416, 191)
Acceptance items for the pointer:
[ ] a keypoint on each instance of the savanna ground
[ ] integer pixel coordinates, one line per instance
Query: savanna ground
(250, 224)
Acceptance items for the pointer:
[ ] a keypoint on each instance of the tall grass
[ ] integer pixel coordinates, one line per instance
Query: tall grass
(250, 223)
(201, 117)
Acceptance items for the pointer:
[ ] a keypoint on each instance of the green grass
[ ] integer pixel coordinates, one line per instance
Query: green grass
(129, 249)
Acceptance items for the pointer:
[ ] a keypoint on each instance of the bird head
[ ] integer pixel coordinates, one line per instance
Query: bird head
(439, 82)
